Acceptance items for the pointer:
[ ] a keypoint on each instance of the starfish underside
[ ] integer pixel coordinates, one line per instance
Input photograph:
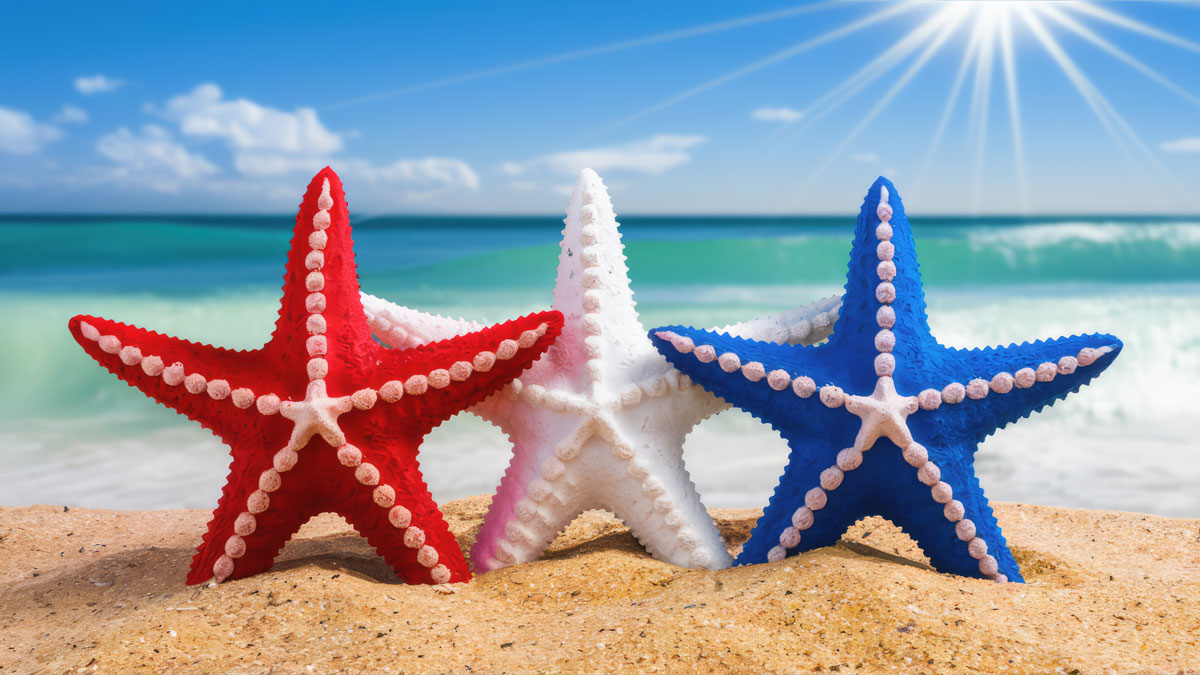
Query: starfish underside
(599, 422)
(883, 420)
(322, 418)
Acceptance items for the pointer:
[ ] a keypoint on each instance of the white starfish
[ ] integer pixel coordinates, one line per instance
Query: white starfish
(600, 420)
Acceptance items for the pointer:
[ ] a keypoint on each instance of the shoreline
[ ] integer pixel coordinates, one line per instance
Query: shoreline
(104, 591)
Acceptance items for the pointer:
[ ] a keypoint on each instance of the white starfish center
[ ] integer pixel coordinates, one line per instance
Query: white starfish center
(316, 414)
(883, 413)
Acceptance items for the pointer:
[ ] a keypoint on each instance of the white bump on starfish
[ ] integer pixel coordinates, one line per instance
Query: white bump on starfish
(399, 517)
(130, 356)
(349, 455)
(754, 371)
(977, 388)
(953, 393)
(885, 292)
(257, 502)
(885, 364)
(804, 386)
(315, 303)
(832, 396)
(268, 404)
(316, 345)
(195, 383)
(1024, 378)
(152, 365)
(173, 374)
(384, 496)
(285, 460)
(245, 524)
(242, 397)
(729, 362)
(885, 250)
(1001, 383)
(885, 340)
(367, 474)
(1045, 372)
(317, 240)
(218, 390)
(269, 480)
(885, 316)
(929, 399)
(414, 537)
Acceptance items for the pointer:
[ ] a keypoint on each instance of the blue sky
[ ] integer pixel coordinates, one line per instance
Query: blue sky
(223, 107)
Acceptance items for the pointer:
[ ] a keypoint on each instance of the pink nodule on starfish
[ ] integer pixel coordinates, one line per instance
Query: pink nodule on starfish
(288, 410)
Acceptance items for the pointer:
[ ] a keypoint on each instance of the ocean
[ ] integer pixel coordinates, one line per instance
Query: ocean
(72, 434)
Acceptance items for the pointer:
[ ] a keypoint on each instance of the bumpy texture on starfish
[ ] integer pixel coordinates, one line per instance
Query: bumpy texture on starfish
(599, 422)
(881, 344)
(298, 450)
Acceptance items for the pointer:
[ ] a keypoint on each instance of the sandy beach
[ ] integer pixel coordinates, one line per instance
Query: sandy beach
(103, 591)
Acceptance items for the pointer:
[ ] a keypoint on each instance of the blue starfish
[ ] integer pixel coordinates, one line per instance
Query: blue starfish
(882, 383)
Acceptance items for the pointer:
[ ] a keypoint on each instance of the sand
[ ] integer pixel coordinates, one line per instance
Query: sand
(103, 591)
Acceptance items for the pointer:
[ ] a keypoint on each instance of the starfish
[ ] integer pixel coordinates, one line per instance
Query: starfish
(888, 387)
(599, 422)
(298, 449)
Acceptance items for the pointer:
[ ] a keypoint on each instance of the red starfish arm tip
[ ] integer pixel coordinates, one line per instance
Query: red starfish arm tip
(448, 376)
(207, 384)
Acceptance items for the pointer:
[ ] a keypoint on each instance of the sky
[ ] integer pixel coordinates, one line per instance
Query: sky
(701, 107)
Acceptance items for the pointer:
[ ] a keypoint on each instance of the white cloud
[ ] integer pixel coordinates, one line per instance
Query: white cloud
(71, 115)
(20, 134)
(249, 126)
(153, 157)
(653, 155)
(785, 115)
(426, 177)
(864, 158)
(97, 84)
(512, 169)
(1190, 144)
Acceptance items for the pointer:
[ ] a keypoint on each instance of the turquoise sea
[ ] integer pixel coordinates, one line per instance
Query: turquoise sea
(71, 433)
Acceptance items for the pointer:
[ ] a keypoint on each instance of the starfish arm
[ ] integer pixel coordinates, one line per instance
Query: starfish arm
(788, 525)
(320, 278)
(659, 503)
(398, 326)
(533, 504)
(990, 388)
(396, 512)
(804, 325)
(257, 537)
(447, 376)
(960, 536)
(216, 387)
(775, 381)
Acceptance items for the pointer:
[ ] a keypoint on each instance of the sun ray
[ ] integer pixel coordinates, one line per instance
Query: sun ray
(1104, 111)
(865, 76)
(977, 120)
(960, 78)
(898, 86)
(777, 57)
(1136, 26)
(695, 31)
(1086, 33)
(1014, 108)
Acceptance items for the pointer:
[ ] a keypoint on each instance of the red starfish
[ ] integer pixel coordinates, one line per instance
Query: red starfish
(322, 417)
